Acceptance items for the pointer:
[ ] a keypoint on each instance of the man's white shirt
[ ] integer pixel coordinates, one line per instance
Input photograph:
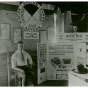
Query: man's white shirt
(17, 59)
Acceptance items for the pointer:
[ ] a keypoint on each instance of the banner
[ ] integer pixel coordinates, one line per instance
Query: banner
(60, 60)
(77, 37)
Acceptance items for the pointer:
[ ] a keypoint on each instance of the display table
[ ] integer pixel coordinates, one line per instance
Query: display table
(76, 79)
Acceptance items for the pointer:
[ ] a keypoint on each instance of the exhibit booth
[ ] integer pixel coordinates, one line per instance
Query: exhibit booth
(57, 59)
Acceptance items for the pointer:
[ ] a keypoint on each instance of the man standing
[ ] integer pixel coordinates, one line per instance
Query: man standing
(20, 61)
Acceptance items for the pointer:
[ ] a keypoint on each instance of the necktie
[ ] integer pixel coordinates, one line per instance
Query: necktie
(22, 56)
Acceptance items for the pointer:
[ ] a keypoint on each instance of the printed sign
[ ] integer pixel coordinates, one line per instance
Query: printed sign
(31, 35)
(60, 60)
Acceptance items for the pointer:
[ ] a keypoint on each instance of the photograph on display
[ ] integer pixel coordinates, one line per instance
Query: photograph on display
(66, 61)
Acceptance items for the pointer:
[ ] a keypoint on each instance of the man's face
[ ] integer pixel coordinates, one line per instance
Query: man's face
(20, 47)
(75, 28)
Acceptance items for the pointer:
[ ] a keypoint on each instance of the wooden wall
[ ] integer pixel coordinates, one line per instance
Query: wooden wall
(3, 70)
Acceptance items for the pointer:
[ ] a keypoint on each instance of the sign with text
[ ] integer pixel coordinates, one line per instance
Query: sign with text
(60, 60)
(42, 62)
(77, 37)
(31, 35)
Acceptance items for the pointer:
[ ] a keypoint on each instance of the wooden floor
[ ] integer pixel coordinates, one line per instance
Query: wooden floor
(55, 83)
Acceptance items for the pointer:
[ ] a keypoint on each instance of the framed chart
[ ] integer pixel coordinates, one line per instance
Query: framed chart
(17, 35)
(5, 31)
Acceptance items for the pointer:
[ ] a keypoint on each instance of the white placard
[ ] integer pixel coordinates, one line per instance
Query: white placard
(31, 35)
(5, 31)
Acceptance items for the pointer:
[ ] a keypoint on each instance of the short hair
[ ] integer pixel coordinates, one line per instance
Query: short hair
(20, 42)
(76, 26)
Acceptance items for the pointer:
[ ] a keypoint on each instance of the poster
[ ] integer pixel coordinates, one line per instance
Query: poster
(60, 60)
(5, 31)
(17, 35)
(31, 35)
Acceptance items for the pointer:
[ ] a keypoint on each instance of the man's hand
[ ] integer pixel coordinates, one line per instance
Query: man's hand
(22, 71)
(19, 70)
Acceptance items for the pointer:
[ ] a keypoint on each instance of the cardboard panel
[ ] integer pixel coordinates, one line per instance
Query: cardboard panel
(42, 63)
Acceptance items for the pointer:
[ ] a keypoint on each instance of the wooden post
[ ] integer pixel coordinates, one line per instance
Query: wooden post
(8, 68)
